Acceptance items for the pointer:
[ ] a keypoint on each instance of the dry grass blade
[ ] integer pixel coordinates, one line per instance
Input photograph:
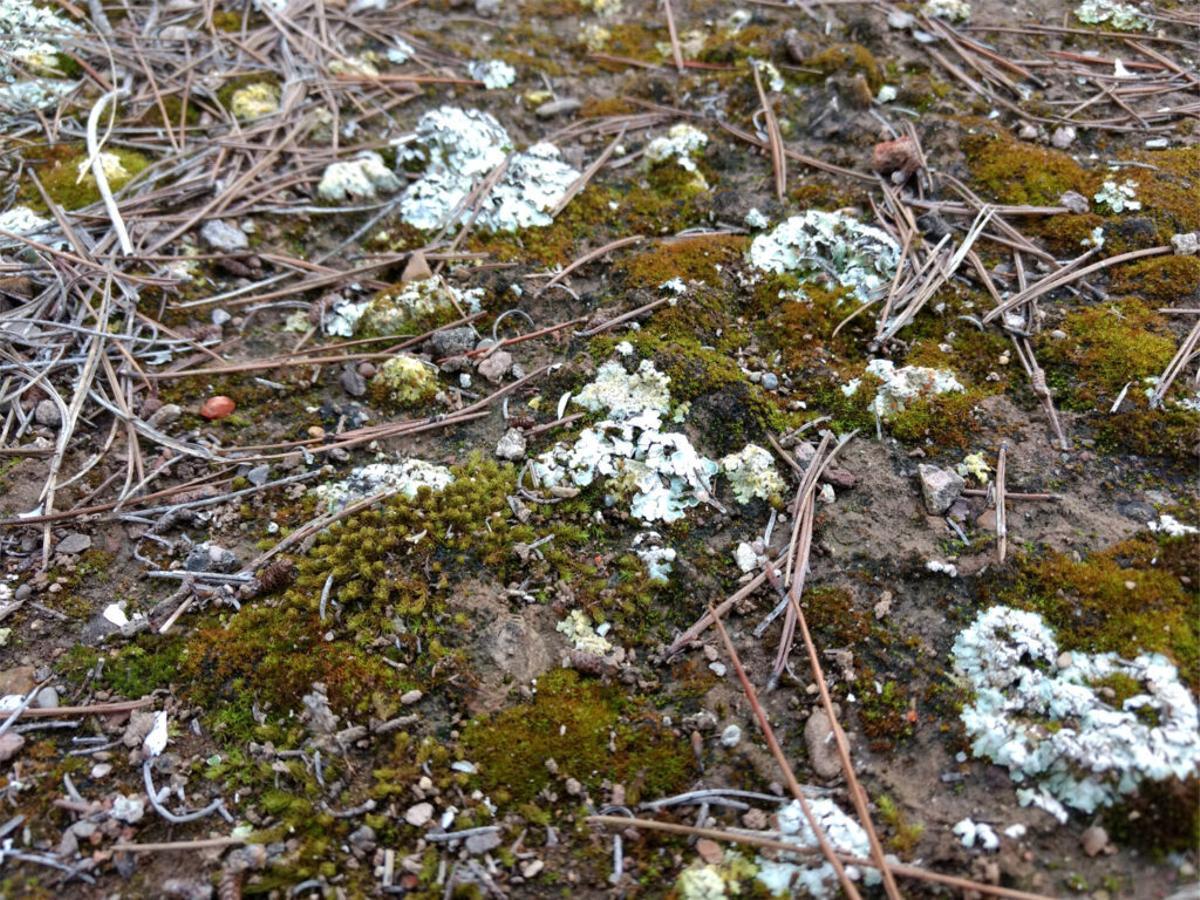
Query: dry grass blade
(774, 137)
(1001, 502)
(1186, 351)
(676, 50)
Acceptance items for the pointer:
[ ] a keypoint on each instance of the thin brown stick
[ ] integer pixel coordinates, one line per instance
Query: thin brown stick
(676, 50)
(774, 137)
(1001, 507)
(789, 776)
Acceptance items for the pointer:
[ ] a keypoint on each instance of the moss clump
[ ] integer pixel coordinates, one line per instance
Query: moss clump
(905, 835)
(603, 107)
(593, 732)
(692, 259)
(946, 421)
(61, 177)
(1128, 599)
(752, 41)
(852, 58)
(1172, 433)
(1011, 171)
(403, 382)
(1160, 819)
(1105, 348)
(1162, 279)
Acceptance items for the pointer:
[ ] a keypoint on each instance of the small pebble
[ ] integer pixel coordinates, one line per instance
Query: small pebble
(770, 381)
(731, 737)
(408, 698)
(557, 108)
(419, 815)
(1094, 840)
(46, 413)
(216, 407)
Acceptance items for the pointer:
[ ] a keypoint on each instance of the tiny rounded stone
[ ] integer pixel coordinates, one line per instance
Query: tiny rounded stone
(217, 407)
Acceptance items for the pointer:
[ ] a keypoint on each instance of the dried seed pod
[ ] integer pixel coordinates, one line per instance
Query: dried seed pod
(277, 575)
(217, 407)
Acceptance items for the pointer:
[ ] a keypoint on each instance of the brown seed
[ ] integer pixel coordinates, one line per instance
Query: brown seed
(900, 155)
(217, 407)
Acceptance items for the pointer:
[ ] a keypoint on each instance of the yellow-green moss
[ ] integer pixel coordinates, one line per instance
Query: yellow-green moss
(693, 259)
(61, 179)
(1127, 599)
(853, 58)
(1106, 347)
(1172, 433)
(1160, 279)
(1016, 172)
(946, 421)
(593, 732)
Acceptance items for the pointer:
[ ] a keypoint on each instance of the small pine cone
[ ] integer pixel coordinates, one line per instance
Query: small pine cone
(277, 575)
(230, 885)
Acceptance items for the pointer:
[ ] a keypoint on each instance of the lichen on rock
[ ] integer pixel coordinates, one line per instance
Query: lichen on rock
(752, 474)
(363, 178)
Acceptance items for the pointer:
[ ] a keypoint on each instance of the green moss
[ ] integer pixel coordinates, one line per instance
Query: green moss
(61, 179)
(854, 58)
(693, 259)
(1106, 347)
(1170, 433)
(904, 835)
(944, 420)
(1127, 599)
(593, 732)
(145, 666)
(1160, 280)
(1012, 171)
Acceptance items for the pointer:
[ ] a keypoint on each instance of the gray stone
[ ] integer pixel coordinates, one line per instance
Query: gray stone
(939, 487)
(74, 543)
(419, 815)
(487, 7)
(353, 383)
(223, 237)
(770, 381)
(10, 745)
(363, 839)
(482, 843)
(557, 108)
(408, 698)
(210, 557)
(1063, 137)
(46, 698)
(166, 414)
(1075, 202)
(1186, 244)
(259, 475)
(822, 747)
(46, 413)
(452, 341)
(731, 736)
(496, 366)
(512, 445)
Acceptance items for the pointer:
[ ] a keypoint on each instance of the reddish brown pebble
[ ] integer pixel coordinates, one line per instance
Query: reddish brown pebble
(217, 407)
(710, 851)
(366, 369)
(900, 155)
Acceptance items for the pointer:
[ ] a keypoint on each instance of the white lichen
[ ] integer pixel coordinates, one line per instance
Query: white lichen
(400, 52)
(755, 219)
(901, 386)
(831, 245)
(363, 178)
(110, 164)
(745, 557)
(784, 876)
(629, 450)
(656, 558)
(405, 477)
(23, 221)
(752, 474)
(1095, 752)
(577, 628)
(1171, 526)
(458, 148)
(939, 567)
(624, 395)
(680, 144)
(950, 10)
(972, 833)
(1118, 197)
(1121, 16)
(26, 49)
(494, 73)
(254, 101)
